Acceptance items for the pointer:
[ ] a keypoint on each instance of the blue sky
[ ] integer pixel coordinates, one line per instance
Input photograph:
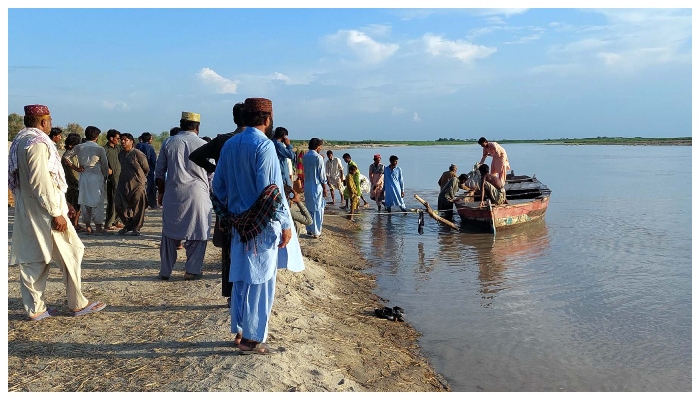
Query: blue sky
(367, 73)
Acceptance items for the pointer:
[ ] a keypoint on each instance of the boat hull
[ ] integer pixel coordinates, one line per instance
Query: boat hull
(508, 215)
(527, 198)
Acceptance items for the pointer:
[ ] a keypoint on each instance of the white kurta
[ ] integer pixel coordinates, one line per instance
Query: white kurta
(37, 201)
(91, 186)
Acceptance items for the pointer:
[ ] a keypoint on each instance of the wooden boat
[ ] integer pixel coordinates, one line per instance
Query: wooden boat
(528, 199)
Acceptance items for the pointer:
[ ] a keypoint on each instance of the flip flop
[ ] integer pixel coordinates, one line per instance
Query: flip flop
(91, 308)
(50, 312)
(260, 349)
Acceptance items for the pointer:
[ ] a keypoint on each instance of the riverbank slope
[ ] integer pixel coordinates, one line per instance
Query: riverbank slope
(175, 335)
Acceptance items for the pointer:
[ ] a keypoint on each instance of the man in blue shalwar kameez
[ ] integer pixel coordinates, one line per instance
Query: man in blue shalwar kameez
(393, 185)
(248, 168)
(315, 186)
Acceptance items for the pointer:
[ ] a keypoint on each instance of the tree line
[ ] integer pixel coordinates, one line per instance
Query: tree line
(16, 124)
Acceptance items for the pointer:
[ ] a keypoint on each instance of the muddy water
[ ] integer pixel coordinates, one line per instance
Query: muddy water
(596, 297)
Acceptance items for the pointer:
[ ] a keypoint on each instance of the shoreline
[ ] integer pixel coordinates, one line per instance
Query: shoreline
(175, 335)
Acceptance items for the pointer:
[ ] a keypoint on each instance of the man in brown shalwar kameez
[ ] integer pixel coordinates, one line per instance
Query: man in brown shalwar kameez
(130, 199)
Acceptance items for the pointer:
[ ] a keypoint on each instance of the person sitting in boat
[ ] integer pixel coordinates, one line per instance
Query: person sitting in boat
(448, 194)
(491, 186)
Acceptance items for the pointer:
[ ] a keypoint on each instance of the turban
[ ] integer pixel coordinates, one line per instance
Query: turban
(377, 156)
(36, 109)
(190, 116)
(257, 104)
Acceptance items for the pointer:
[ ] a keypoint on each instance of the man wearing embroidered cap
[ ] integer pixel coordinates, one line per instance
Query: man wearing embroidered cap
(248, 196)
(185, 200)
(41, 232)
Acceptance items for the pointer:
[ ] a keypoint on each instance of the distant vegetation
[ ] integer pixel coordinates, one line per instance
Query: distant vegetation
(679, 141)
(16, 123)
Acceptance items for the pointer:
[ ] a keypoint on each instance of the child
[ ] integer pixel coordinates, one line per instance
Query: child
(353, 191)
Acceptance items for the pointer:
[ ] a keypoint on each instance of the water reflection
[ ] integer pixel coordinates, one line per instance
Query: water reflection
(494, 256)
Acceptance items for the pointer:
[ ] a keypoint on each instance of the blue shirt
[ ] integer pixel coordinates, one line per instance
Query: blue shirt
(247, 165)
(284, 152)
(150, 153)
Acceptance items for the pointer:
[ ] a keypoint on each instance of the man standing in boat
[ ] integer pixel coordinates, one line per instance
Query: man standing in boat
(492, 187)
(499, 158)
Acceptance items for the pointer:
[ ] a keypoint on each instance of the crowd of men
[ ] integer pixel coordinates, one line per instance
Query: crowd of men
(246, 177)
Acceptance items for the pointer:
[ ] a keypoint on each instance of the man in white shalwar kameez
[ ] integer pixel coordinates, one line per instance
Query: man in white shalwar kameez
(246, 172)
(41, 232)
(94, 169)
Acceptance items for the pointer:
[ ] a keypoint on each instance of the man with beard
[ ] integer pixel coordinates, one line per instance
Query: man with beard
(147, 149)
(185, 200)
(249, 199)
(131, 189)
(112, 149)
(202, 157)
(41, 232)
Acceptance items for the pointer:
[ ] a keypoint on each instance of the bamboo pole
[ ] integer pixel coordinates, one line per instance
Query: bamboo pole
(434, 214)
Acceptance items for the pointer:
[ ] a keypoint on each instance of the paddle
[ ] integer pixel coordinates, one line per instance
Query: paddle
(493, 220)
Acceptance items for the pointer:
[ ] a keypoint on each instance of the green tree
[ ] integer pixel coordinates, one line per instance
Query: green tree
(15, 123)
(74, 127)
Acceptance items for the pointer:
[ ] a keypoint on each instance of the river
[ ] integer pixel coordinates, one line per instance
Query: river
(595, 297)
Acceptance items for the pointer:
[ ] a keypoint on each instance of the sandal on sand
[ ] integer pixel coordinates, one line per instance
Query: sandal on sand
(237, 340)
(50, 312)
(91, 308)
(257, 348)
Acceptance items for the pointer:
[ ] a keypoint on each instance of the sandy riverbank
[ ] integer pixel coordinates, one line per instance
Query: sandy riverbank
(175, 335)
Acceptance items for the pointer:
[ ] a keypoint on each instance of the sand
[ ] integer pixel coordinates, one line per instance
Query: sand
(175, 335)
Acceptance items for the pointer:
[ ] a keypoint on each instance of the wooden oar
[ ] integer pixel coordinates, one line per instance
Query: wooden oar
(434, 214)
(493, 219)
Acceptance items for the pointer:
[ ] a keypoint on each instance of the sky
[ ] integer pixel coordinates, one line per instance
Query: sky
(361, 73)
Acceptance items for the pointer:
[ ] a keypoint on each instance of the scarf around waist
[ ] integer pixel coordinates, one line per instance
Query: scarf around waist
(252, 221)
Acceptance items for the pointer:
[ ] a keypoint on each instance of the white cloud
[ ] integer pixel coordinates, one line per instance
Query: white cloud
(383, 30)
(114, 105)
(525, 39)
(632, 40)
(610, 58)
(495, 20)
(416, 118)
(397, 111)
(361, 45)
(222, 85)
(507, 12)
(462, 50)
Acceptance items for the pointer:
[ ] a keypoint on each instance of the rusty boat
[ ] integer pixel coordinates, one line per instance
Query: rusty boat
(527, 197)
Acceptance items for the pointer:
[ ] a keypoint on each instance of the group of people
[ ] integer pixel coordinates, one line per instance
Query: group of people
(247, 177)
(491, 183)
(121, 173)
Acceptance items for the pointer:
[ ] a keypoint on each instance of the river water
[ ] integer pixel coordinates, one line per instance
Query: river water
(595, 297)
